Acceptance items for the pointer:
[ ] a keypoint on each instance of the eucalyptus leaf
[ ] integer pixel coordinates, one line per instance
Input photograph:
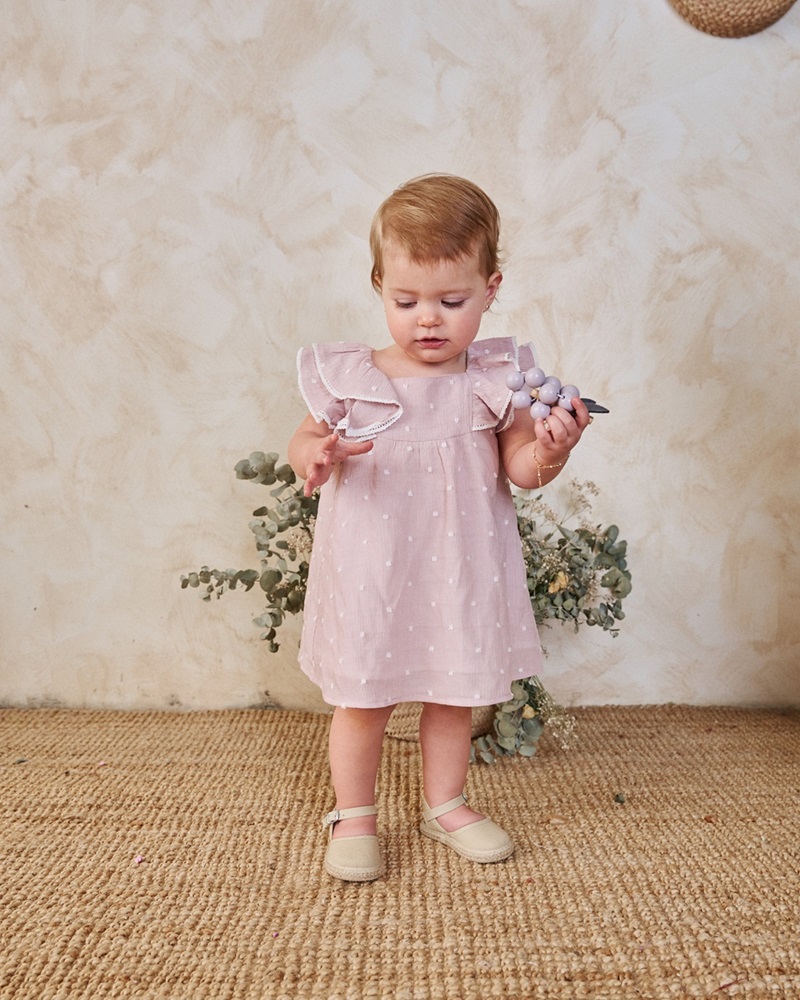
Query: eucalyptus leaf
(533, 728)
(505, 727)
(269, 579)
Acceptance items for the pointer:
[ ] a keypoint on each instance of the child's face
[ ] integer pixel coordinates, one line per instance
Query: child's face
(434, 310)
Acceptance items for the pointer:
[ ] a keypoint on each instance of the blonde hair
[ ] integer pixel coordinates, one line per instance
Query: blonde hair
(437, 217)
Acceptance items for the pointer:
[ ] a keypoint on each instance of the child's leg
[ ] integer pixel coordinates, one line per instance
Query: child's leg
(445, 734)
(355, 741)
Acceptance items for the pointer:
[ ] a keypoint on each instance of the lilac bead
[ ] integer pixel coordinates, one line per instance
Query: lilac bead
(554, 381)
(567, 394)
(540, 411)
(515, 380)
(521, 398)
(534, 377)
(548, 394)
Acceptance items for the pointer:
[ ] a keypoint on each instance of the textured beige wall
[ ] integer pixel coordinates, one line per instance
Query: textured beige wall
(186, 191)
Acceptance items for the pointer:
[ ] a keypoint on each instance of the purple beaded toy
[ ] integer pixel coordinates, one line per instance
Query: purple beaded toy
(542, 392)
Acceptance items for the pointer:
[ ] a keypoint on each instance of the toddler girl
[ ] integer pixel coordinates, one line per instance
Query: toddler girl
(417, 586)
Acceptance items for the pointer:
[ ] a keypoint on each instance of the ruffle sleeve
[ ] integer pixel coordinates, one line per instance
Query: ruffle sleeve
(489, 362)
(342, 387)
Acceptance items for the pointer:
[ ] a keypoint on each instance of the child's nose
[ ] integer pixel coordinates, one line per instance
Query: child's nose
(430, 317)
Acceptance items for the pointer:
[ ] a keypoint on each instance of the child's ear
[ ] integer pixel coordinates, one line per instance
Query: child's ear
(491, 287)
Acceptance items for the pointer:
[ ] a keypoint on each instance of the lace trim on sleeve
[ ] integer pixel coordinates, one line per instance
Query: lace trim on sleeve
(341, 386)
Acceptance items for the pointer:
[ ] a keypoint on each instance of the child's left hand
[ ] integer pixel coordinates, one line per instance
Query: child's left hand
(553, 439)
(560, 432)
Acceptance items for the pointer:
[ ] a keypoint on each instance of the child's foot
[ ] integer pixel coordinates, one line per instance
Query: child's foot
(478, 840)
(352, 856)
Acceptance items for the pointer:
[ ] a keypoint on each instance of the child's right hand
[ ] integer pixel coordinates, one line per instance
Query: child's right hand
(330, 452)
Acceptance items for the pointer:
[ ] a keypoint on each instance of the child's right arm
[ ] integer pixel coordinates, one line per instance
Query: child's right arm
(314, 451)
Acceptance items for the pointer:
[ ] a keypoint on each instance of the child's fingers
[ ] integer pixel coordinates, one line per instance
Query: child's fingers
(328, 446)
(549, 430)
(559, 432)
(318, 474)
(563, 426)
(357, 447)
(582, 416)
(332, 451)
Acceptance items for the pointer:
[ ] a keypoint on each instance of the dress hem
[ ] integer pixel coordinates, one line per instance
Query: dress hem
(406, 700)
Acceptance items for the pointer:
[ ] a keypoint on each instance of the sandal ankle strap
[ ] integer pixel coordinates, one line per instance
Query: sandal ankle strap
(445, 807)
(335, 815)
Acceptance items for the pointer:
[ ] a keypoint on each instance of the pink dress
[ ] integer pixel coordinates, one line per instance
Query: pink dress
(417, 585)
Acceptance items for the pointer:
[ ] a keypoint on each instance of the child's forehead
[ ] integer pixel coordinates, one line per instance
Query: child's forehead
(397, 259)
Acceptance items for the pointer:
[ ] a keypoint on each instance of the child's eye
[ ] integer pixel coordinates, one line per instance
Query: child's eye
(405, 305)
(453, 304)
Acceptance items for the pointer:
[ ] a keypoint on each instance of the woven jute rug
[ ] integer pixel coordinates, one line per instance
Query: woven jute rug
(179, 856)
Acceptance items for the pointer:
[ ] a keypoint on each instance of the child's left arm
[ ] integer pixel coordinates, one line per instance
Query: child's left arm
(531, 454)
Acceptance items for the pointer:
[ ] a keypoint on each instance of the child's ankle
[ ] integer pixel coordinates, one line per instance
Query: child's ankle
(359, 826)
(462, 816)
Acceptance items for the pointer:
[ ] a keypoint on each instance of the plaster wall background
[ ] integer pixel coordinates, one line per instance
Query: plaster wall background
(186, 195)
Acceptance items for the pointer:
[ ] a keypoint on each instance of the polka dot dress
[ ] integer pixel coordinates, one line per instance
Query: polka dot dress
(416, 590)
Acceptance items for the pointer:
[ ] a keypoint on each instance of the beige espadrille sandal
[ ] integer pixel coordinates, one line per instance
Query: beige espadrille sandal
(352, 859)
(482, 841)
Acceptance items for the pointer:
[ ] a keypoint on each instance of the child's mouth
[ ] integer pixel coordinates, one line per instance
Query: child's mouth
(431, 341)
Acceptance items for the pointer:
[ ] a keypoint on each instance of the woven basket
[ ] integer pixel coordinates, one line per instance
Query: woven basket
(404, 721)
(731, 18)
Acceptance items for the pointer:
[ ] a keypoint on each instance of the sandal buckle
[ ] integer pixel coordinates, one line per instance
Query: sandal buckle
(333, 817)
